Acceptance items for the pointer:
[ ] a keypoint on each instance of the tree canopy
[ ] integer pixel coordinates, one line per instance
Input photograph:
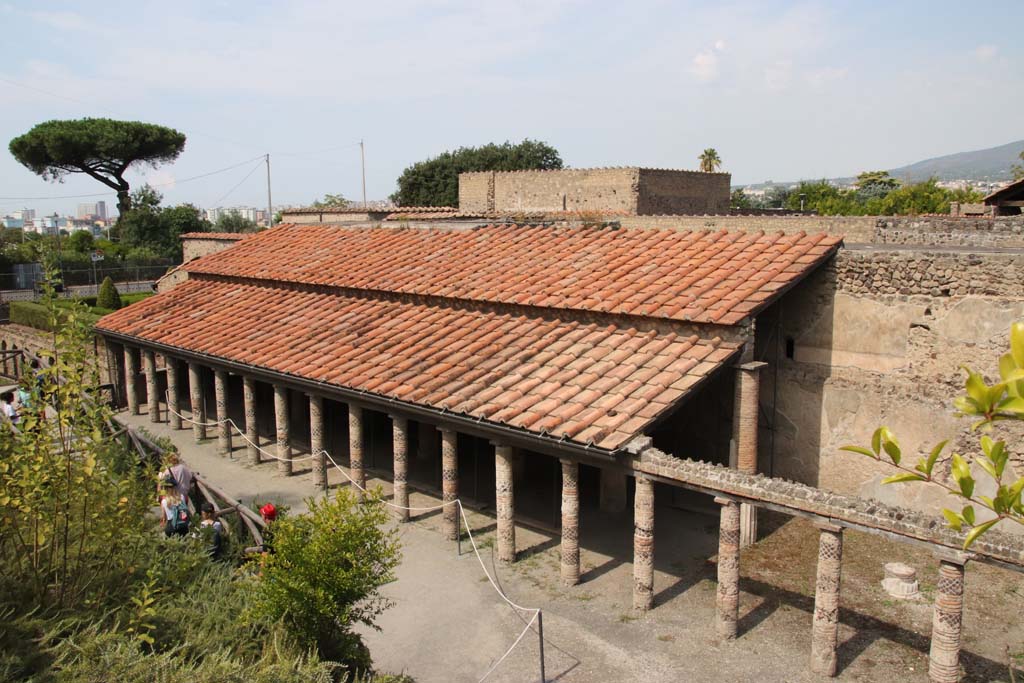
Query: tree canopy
(435, 181)
(232, 221)
(879, 196)
(103, 149)
(1018, 169)
(158, 229)
(331, 200)
(709, 160)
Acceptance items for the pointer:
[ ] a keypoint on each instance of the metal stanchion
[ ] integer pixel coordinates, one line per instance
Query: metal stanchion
(540, 634)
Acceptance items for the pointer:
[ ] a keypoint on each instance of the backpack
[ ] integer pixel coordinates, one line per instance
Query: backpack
(180, 519)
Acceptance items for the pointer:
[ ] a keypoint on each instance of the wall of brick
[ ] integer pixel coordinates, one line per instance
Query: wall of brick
(682, 192)
(194, 247)
(1004, 231)
(14, 336)
(475, 191)
(856, 229)
(599, 189)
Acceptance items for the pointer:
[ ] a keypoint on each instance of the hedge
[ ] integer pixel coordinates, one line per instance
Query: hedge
(35, 315)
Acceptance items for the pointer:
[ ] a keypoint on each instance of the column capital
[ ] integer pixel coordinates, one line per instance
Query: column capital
(752, 366)
(828, 526)
(721, 500)
(398, 418)
(952, 556)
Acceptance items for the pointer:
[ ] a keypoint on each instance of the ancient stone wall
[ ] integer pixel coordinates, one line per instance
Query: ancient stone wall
(855, 229)
(598, 189)
(1005, 231)
(682, 192)
(13, 336)
(476, 191)
(194, 247)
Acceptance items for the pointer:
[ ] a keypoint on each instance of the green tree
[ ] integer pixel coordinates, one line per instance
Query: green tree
(823, 197)
(103, 149)
(108, 297)
(1018, 169)
(158, 229)
(986, 404)
(331, 200)
(739, 200)
(709, 160)
(435, 182)
(232, 221)
(80, 241)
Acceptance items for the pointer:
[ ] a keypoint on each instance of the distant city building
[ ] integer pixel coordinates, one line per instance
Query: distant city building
(248, 212)
(97, 210)
(13, 221)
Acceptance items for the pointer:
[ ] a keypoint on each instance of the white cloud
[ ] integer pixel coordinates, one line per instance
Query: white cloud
(778, 76)
(818, 78)
(986, 53)
(705, 64)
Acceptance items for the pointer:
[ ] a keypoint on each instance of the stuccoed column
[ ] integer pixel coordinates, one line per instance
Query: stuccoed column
(727, 600)
(316, 441)
(825, 626)
(400, 430)
(947, 623)
(505, 503)
(643, 544)
(284, 444)
(152, 386)
(131, 377)
(570, 567)
(450, 483)
(220, 388)
(195, 391)
(173, 400)
(745, 429)
(252, 434)
(355, 449)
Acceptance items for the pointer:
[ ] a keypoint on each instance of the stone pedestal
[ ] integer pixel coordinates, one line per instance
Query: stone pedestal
(131, 378)
(570, 567)
(643, 544)
(400, 433)
(825, 625)
(252, 434)
(195, 391)
(316, 441)
(450, 483)
(355, 449)
(947, 624)
(901, 581)
(220, 389)
(505, 503)
(152, 385)
(727, 600)
(173, 398)
(284, 444)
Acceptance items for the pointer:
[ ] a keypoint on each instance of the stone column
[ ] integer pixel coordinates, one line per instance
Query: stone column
(220, 387)
(131, 377)
(284, 444)
(745, 410)
(643, 544)
(450, 483)
(152, 386)
(570, 523)
(400, 431)
(316, 441)
(613, 491)
(195, 390)
(173, 400)
(727, 601)
(947, 622)
(825, 626)
(355, 449)
(505, 502)
(252, 434)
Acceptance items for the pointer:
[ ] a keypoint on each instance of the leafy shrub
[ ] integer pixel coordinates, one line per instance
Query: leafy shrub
(37, 315)
(108, 297)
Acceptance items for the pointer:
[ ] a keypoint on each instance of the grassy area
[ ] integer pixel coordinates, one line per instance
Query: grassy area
(32, 314)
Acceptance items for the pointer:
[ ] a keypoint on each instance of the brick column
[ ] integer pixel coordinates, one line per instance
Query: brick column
(152, 386)
(195, 391)
(570, 523)
(825, 626)
(947, 623)
(284, 443)
(450, 483)
(643, 544)
(745, 410)
(727, 601)
(252, 434)
(173, 400)
(505, 502)
(131, 377)
(220, 387)
(400, 433)
(355, 448)
(316, 441)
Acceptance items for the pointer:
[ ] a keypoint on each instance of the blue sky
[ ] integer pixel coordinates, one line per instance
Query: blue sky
(783, 90)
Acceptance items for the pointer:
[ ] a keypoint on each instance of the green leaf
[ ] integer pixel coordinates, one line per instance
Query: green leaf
(975, 386)
(876, 441)
(1007, 367)
(986, 444)
(934, 456)
(967, 405)
(1013, 405)
(967, 514)
(977, 531)
(859, 449)
(1017, 343)
(903, 476)
(953, 519)
(986, 464)
(893, 449)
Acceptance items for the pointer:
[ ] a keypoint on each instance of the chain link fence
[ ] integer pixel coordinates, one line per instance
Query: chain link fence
(25, 283)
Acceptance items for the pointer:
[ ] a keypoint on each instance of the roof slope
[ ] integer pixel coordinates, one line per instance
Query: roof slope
(710, 277)
(597, 384)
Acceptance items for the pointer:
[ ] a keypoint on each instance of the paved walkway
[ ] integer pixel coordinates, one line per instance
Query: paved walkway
(449, 624)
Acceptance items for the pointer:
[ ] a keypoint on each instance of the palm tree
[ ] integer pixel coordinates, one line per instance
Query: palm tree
(710, 161)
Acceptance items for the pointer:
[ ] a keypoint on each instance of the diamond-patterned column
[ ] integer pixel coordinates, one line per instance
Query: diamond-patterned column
(450, 482)
(505, 503)
(355, 449)
(947, 623)
(220, 388)
(195, 391)
(316, 441)
(152, 386)
(400, 431)
(745, 411)
(643, 544)
(131, 378)
(570, 568)
(173, 399)
(825, 626)
(252, 434)
(284, 442)
(727, 601)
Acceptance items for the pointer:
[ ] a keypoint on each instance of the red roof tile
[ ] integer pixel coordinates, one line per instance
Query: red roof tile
(479, 363)
(712, 277)
(233, 236)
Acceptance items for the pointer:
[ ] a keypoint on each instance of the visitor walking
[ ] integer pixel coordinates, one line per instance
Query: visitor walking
(175, 509)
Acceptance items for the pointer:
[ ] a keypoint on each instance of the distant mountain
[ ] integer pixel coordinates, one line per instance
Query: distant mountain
(981, 164)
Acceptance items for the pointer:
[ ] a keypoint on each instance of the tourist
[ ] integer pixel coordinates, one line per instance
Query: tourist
(179, 472)
(210, 525)
(175, 509)
(269, 514)
(8, 408)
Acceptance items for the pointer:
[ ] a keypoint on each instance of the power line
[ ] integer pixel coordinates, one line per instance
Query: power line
(239, 184)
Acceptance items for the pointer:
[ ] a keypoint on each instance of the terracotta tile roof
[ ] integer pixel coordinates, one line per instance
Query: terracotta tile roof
(591, 383)
(700, 276)
(215, 235)
(368, 209)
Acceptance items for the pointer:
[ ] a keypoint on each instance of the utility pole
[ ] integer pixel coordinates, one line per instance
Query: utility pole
(270, 204)
(362, 156)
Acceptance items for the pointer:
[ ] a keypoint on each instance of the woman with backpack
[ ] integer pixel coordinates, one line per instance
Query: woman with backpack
(175, 509)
